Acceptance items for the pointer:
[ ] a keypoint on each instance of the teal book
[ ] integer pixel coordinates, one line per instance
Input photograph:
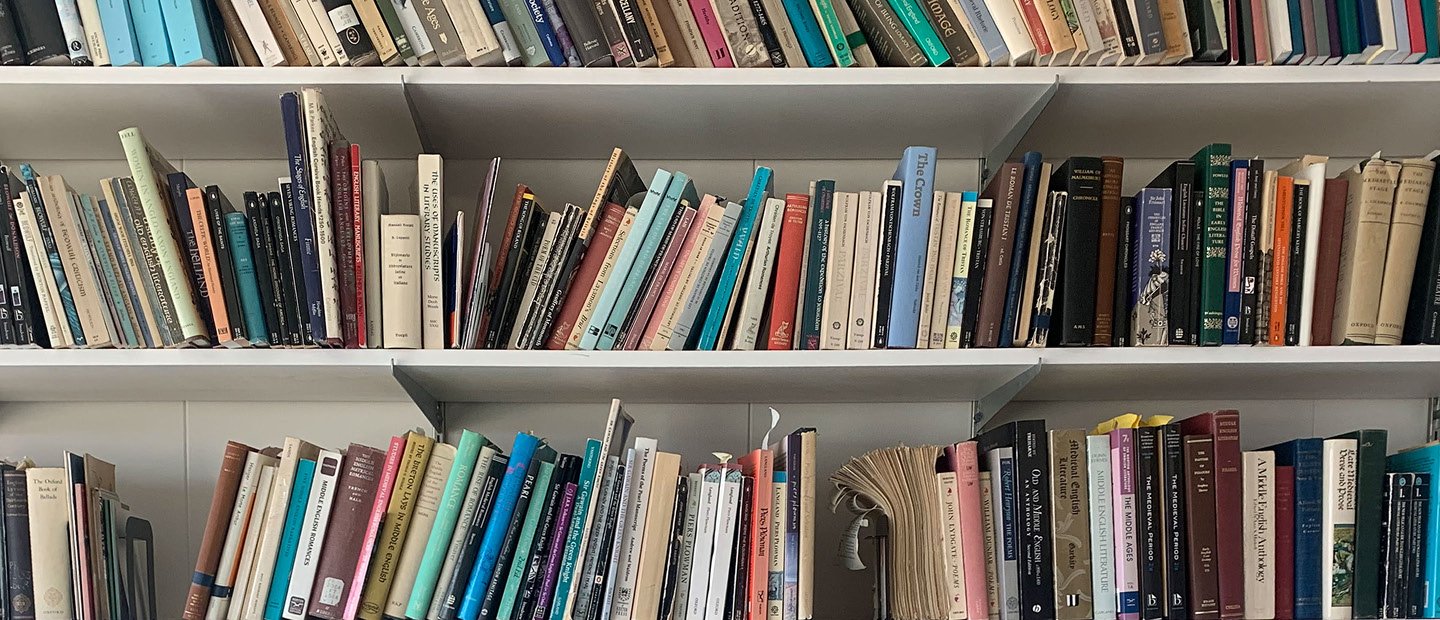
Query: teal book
(149, 23)
(573, 534)
(107, 268)
(52, 253)
(625, 260)
(245, 280)
(919, 28)
(189, 33)
(1424, 460)
(680, 186)
(466, 453)
(290, 538)
(487, 559)
(760, 188)
(521, 559)
(119, 34)
(834, 33)
(808, 34)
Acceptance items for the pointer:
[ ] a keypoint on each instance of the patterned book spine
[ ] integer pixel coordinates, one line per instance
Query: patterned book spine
(1150, 276)
(1235, 256)
(1212, 170)
(1337, 529)
(1070, 500)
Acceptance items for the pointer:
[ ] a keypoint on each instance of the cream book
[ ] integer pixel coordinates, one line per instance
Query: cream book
(1362, 250)
(637, 522)
(1062, 41)
(685, 273)
(835, 312)
(695, 295)
(222, 592)
(1257, 526)
(245, 569)
(658, 530)
(1407, 219)
(56, 329)
(430, 198)
(133, 258)
(399, 286)
(1337, 528)
(257, 29)
(427, 503)
(757, 284)
(1310, 168)
(320, 130)
(932, 265)
(477, 36)
(987, 520)
(312, 535)
(948, 490)
(862, 275)
(313, 32)
(727, 516)
(50, 542)
(267, 547)
(80, 270)
(374, 201)
(1014, 31)
(949, 203)
(965, 237)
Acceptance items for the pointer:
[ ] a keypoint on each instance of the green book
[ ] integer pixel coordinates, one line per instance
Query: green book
(1432, 34)
(1212, 180)
(1348, 18)
(834, 33)
(397, 31)
(919, 28)
(527, 38)
(527, 539)
(574, 533)
(445, 516)
(822, 206)
(1369, 518)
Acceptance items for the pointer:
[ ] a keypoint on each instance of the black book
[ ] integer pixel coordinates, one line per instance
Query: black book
(637, 37)
(1416, 547)
(266, 274)
(52, 252)
(20, 602)
(494, 338)
(675, 549)
(1124, 248)
(300, 294)
(12, 50)
(529, 253)
(889, 41)
(9, 301)
(946, 22)
(975, 278)
(649, 280)
(1179, 178)
(223, 50)
(1397, 512)
(12, 259)
(1129, 42)
(614, 35)
(280, 253)
(885, 267)
(1079, 252)
(1206, 37)
(541, 607)
(1296, 284)
(735, 599)
(1250, 252)
(216, 206)
(539, 557)
(495, 587)
(559, 291)
(1149, 522)
(767, 33)
(1032, 503)
(1422, 313)
(585, 32)
(353, 38)
(607, 545)
(1177, 571)
(179, 183)
(38, 23)
(474, 534)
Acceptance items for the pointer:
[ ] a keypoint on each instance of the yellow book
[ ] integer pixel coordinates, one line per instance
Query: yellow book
(396, 525)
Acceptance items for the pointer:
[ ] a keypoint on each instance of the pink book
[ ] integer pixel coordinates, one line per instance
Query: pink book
(1262, 33)
(964, 460)
(372, 528)
(653, 324)
(357, 217)
(710, 31)
(662, 274)
(1127, 556)
(87, 600)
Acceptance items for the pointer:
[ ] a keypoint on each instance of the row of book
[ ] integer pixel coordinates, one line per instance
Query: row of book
(69, 547)
(715, 33)
(1149, 518)
(429, 530)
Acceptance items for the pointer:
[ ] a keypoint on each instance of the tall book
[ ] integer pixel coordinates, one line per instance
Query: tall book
(1070, 503)
(1305, 458)
(1258, 529)
(1337, 528)
(355, 493)
(1370, 445)
(232, 465)
(1412, 195)
(1212, 175)
(1224, 426)
(1082, 178)
(916, 172)
(1032, 498)
(1312, 169)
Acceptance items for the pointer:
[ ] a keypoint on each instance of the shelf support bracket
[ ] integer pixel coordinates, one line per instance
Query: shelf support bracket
(990, 404)
(432, 409)
(426, 144)
(1002, 150)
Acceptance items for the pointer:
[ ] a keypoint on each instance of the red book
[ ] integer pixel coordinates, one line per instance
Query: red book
(1225, 427)
(964, 461)
(1284, 542)
(1417, 28)
(372, 525)
(232, 464)
(343, 214)
(357, 240)
(360, 476)
(584, 274)
(657, 316)
(789, 259)
(660, 282)
(1036, 26)
(1327, 262)
(1280, 268)
(760, 465)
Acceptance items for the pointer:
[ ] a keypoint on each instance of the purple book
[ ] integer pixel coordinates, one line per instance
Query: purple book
(557, 546)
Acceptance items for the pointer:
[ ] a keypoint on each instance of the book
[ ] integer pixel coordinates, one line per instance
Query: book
(1030, 497)
(1082, 179)
(1150, 285)
(1312, 169)
(1304, 457)
(1369, 514)
(222, 503)
(989, 308)
(1337, 527)
(1070, 501)
(1258, 531)
(399, 286)
(485, 562)
(356, 487)
(1101, 492)
(916, 172)
(314, 523)
(1212, 172)
(809, 325)
(48, 506)
(1412, 193)
(1018, 280)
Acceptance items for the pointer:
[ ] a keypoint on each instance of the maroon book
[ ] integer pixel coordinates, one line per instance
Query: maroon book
(354, 497)
(343, 239)
(1203, 572)
(1327, 260)
(1004, 190)
(1284, 542)
(1225, 427)
(357, 239)
(1113, 171)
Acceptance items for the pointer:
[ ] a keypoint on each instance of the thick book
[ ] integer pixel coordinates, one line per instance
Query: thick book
(19, 584)
(1070, 504)
(1258, 527)
(1212, 176)
(49, 507)
(356, 488)
(1337, 527)
(1305, 458)
(1368, 208)
(1224, 426)
(232, 463)
(396, 527)
(916, 173)
(1412, 193)
(1150, 269)
(1179, 178)
(1172, 471)
(1004, 192)
(1031, 498)
(1082, 178)
(1106, 312)
(1422, 312)
(1149, 521)
(1369, 515)
(1284, 560)
(1294, 289)
(1204, 581)
(1019, 276)
(1327, 261)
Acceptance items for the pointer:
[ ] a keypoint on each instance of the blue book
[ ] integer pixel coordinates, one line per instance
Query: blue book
(679, 185)
(119, 34)
(573, 534)
(304, 218)
(1024, 220)
(499, 521)
(290, 538)
(106, 268)
(149, 23)
(1149, 268)
(52, 252)
(245, 280)
(807, 32)
(1297, 29)
(1368, 14)
(132, 290)
(985, 29)
(546, 31)
(1306, 456)
(917, 174)
(760, 187)
(189, 33)
(1235, 251)
(625, 260)
(1424, 460)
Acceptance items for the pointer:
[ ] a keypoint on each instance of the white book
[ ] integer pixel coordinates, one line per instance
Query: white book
(414, 31)
(757, 283)
(705, 523)
(1102, 552)
(314, 32)
(1281, 48)
(835, 312)
(399, 284)
(430, 198)
(727, 515)
(932, 266)
(94, 32)
(1014, 32)
(960, 274)
(312, 535)
(477, 37)
(987, 521)
(1109, 32)
(549, 230)
(1389, 44)
(257, 587)
(56, 327)
(320, 129)
(1257, 526)
(1312, 169)
(220, 592)
(639, 503)
(949, 492)
(1090, 31)
(246, 567)
(257, 29)
(1337, 527)
(862, 274)
(74, 30)
(374, 201)
(627, 490)
(948, 205)
(49, 512)
(322, 17)
(462, 529)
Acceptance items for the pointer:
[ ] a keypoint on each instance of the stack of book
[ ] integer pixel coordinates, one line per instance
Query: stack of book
(66, 544)
(428, 530)
(715, 33)
(1152, 518)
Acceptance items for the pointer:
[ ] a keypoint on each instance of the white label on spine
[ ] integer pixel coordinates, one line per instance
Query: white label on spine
(344, 18)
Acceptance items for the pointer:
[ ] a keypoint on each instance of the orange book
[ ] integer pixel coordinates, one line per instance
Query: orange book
(1280, 273)
(209, 269)
(789, 259)
(759, 466)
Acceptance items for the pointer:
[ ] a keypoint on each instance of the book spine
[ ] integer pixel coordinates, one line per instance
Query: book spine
(1079, 246)
(12, 50)
(20, 602)
(1112, 170)
(1235, 253)
(974, 281)
(1102, 533)
(1284, 542)
(1250, 250)
(222, 503)
(447, 514)
(1418, 556)
(835, 39)
(1294, 305)
(297, 309)
(1126, 527)
(1006, 191)
(47, 499)
(817, 261)
(1069, 500)
(262, 247)
(1149, 530)
(637, 37)
(355, 494)
(1183, 237)
(506, 500)
(40, 31)
(1125, 269)
(1151, 260)
(1337, 528)
(1212, 166)
(1310, 556)
(246, 277)
(1258, 504)
(885, 265)
(341, 190)
(300, 195)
